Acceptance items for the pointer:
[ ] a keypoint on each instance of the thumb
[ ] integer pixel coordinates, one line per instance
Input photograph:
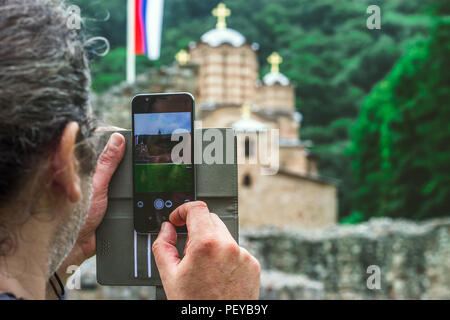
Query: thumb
(165, 252)
(108, 161)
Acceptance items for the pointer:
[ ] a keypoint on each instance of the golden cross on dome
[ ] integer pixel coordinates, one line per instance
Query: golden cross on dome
(182, 57)
(246, 111)
(275, 60)
(221, 12)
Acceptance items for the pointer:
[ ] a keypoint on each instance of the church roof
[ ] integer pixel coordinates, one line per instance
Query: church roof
(275, 77)
(318, 179)
(249, 125)
(216, 37)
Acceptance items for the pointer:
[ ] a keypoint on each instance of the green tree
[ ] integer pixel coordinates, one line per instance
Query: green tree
(110, 69)
(400, 140)
(332, 59)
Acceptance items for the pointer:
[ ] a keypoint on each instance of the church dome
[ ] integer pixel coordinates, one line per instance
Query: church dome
(216, 37)
(275, 77)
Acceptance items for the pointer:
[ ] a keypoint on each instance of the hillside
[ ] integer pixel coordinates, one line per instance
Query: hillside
(329, 54)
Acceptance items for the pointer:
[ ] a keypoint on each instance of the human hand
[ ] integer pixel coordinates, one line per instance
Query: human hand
(107, 163)
(213, 266)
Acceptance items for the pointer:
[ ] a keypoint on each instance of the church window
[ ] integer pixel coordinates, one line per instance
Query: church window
(247, 180)
(248, 147)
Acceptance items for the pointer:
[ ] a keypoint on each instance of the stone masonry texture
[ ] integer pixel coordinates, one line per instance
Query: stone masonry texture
(413, 259)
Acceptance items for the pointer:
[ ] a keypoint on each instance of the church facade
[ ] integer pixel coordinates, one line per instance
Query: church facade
(221, 70)
(230, 94)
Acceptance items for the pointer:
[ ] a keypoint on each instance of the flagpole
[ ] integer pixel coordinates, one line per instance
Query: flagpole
(131, 56)
(155, 12)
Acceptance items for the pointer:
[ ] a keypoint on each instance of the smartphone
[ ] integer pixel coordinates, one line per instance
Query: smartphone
(163, 152)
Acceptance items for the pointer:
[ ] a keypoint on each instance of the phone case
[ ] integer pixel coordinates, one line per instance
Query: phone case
(125, 257)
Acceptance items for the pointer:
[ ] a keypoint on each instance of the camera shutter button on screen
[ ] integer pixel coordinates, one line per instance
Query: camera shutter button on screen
(158, 204)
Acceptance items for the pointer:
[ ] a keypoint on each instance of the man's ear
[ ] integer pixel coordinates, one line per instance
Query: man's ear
(65, 164)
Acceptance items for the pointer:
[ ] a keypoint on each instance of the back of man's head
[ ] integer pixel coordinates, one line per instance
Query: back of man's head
(44, 85)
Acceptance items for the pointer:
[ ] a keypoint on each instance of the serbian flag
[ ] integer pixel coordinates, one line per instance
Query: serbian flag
(148, 26)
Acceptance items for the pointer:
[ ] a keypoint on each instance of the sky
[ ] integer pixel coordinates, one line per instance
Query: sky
(152, 123)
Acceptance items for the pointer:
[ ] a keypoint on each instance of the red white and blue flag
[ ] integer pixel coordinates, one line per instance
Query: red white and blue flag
(148, 27)
(144, 27)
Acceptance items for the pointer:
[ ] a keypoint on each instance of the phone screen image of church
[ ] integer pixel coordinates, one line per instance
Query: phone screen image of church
(159, 184)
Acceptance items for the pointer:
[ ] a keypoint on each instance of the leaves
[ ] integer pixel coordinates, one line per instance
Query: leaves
(334, 62)
(400, 140)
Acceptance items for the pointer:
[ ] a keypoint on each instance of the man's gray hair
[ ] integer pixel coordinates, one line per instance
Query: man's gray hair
(44, 85)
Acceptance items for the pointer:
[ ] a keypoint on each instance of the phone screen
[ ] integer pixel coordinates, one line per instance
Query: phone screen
(163, 169)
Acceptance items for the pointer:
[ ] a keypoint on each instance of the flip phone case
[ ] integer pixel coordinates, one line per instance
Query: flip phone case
(125, 257)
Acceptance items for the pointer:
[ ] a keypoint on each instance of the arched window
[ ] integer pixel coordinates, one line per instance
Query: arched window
(248, 147)
(247, 180)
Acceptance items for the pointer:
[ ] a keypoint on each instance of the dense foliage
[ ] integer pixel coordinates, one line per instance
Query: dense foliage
(329, 54)
(400, 140)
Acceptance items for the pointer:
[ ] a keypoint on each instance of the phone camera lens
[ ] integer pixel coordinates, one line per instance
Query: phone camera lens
(147, 99)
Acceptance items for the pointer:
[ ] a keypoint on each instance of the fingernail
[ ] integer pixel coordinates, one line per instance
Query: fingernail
(116, 140)
(164, 226)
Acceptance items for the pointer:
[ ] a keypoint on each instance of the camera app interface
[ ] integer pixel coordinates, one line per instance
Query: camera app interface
(160, 185)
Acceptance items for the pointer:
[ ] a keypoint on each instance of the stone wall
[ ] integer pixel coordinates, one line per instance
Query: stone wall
(227, 74)
(276, 96)
(414, 260)
(285, 200)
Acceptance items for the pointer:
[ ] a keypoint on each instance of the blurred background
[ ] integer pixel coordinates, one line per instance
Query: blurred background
(364, 180)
